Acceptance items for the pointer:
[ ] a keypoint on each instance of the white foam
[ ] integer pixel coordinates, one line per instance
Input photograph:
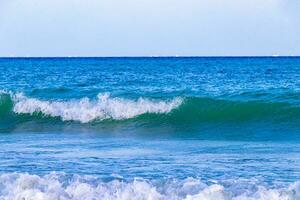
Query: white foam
(87, 110)
(59, 186)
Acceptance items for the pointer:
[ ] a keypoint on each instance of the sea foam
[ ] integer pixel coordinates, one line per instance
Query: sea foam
(60, 186)
(86, 110)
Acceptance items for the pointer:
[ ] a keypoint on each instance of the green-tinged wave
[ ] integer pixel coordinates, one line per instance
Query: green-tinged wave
(183, 110)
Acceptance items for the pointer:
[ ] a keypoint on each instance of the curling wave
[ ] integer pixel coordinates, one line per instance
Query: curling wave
(60, 186)
(179, 110)
(87, 110)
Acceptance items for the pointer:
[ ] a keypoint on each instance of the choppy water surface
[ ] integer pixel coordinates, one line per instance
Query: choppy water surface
(142, 128)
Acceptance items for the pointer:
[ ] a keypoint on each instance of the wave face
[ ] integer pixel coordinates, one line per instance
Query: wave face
(86, 110)
(59, 186)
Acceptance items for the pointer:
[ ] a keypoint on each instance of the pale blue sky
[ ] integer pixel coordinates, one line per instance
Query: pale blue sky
(149, 27)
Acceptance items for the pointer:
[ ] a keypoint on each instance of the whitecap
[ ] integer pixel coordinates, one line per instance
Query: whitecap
(86, 110)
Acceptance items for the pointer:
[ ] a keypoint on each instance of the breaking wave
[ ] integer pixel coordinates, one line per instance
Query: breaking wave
(60, 186)
(86, 110)
(179, 110)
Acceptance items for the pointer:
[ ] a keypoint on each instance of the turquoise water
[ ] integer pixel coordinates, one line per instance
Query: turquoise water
(150, 128)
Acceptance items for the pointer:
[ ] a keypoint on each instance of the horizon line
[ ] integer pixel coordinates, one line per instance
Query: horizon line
(154, 56)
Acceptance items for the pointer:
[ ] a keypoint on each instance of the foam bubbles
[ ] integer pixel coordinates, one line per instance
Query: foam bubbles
(86, 110)
(60, 186)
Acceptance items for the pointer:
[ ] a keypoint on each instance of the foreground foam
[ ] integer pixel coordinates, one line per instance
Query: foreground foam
(59, 186)
(87, 110)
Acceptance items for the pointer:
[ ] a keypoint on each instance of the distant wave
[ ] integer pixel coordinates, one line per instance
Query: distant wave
(60, 186)
(178, 110)
(87, 110)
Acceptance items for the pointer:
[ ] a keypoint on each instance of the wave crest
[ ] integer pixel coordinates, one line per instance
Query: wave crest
(86, 110)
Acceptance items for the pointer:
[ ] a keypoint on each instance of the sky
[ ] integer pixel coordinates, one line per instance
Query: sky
(149, 27)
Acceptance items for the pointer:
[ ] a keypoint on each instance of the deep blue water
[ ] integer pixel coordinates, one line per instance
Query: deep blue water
(150, 128)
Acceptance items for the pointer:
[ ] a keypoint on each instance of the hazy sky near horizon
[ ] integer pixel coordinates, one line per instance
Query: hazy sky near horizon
(149, 27)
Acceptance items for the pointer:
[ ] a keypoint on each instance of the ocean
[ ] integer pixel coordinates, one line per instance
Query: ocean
(167, 128)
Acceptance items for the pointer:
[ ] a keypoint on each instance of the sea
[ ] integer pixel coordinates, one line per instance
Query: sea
(150, 128)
